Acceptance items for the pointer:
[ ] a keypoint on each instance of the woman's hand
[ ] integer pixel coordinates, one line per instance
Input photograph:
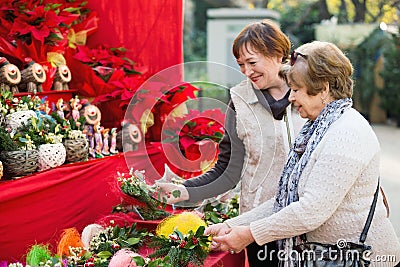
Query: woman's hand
(173, 193)
(219, 229)
(235, 240)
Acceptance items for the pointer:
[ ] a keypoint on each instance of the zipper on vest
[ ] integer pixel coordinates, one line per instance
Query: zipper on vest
(285, 117)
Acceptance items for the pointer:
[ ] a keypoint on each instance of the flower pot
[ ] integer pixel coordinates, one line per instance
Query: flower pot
(76, 150)
(19, 163)
(51, 156)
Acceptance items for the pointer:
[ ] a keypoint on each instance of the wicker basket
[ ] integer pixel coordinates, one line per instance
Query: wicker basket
(77, 150)
(17, 119)
(51, 156)
(19, 163)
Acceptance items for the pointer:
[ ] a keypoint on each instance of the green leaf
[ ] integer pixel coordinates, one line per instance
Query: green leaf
(139, 261)
(22, 139)
(104, 254)
(179, 234)
(116, 231)
(200, 231)
(134, 240)
(176, 193)
(71, 9)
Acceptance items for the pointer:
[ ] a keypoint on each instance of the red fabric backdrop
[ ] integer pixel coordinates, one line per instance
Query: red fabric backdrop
(151, 30)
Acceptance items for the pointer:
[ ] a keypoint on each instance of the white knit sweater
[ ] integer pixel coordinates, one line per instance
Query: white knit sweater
(336, 190)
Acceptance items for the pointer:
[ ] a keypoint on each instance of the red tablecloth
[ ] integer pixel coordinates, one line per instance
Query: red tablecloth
(38, 207)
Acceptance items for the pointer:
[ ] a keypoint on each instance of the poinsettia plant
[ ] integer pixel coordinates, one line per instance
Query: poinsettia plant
(43, 30)
(192, 140)
(109, 71)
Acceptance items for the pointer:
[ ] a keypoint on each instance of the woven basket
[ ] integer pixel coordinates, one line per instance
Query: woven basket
(51, 156)
(17, 119)
(19, 163)
(77, 150)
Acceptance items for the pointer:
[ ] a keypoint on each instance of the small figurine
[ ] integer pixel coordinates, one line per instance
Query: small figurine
(10, 76)
(44, 108)
(129, 137)
(106, 148)
(113, 146)
(90, 137)
(60, 108)
(91, 113)
(75, 107)
(32, 77)
(61, 78)
(98, 140)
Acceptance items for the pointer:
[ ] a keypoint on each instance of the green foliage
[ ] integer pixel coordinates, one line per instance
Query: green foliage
(305, 32)
(6, 143)
(221, 212)
(135, 186)
(182, 249)
(390, 94)
(195, 45)
(364, 58)
(107, 242)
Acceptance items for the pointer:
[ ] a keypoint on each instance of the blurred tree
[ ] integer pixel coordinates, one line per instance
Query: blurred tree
(195, 26)
(364, 58)
(390, 95)
(298, 22)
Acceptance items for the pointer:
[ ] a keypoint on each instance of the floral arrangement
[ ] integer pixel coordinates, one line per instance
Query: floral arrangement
(104, 245)
(69, 128)
(148, 205)
(220, 212)
(109, 70)
(44, 30)
(31, 135)
(181, 238)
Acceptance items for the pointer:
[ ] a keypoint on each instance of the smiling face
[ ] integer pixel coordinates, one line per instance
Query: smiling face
(308, 105)
(261, 70)
(12, 74)
(92, 114)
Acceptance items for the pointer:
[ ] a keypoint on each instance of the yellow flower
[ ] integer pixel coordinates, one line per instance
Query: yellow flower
(183, 222)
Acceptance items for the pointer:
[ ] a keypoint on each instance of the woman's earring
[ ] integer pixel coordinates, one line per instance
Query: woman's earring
(323, 101)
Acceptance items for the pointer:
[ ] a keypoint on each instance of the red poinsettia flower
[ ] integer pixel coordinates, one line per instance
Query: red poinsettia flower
(194, 132)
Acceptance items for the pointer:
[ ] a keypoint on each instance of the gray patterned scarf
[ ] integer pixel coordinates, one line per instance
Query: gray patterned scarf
(305, 143)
